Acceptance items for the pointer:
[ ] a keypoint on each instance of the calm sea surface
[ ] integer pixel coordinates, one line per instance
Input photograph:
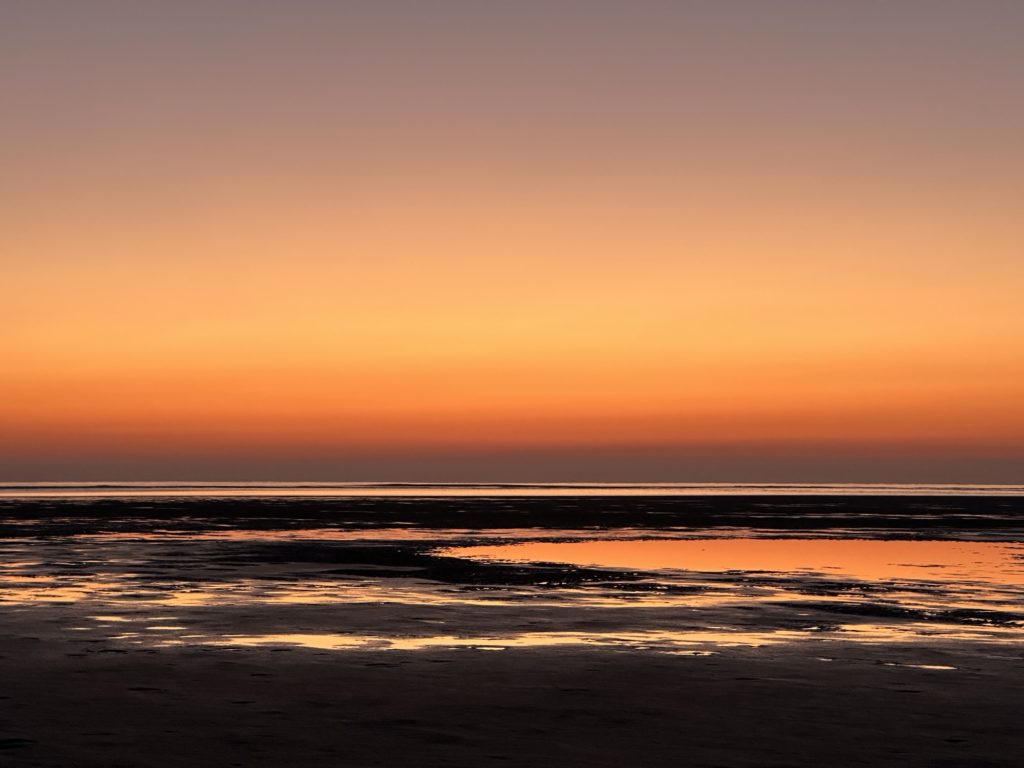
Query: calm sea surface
(270, 489)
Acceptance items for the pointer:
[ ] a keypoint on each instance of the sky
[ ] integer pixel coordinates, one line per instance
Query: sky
(629, 240)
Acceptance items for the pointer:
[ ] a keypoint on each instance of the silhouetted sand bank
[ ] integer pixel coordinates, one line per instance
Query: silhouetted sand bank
(895, 513)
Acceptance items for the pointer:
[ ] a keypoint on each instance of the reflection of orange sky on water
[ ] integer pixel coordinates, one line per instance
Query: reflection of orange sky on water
(660, 640)
(857, 558)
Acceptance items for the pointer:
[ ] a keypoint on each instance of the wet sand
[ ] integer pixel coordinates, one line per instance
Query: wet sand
(279, 633)
(277, 707)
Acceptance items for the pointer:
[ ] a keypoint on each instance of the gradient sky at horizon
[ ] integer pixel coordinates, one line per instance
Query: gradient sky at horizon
(465, 241)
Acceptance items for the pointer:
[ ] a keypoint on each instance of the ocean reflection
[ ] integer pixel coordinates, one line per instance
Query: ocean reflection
(379, 589)
(633, 640)
(701, 642)
(870, 560)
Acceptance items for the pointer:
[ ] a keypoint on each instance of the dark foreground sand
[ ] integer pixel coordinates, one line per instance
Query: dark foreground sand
(75, 696)
(524, 707)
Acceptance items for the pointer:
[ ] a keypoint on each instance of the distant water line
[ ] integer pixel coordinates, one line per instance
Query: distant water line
(114, 489)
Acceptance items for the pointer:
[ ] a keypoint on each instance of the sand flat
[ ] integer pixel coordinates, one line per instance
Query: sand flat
(300, 633)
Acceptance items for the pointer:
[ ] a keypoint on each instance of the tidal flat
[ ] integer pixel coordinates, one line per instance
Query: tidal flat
(525, 630)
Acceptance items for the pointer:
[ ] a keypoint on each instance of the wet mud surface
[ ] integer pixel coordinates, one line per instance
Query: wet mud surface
(375, 632)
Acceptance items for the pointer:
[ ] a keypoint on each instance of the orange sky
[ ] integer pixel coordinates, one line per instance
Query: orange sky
(433, 229)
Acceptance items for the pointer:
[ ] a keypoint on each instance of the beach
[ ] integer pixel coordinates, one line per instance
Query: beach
(454, 384)
(511, 630)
